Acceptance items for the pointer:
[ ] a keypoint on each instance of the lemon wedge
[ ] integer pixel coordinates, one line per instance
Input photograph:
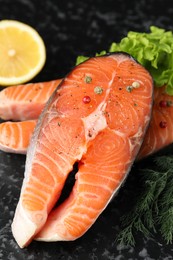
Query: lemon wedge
(22, 52)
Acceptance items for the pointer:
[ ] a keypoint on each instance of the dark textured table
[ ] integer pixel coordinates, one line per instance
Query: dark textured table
(71, 28)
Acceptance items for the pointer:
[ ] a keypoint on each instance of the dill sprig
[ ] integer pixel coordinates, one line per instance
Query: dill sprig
(153, 208)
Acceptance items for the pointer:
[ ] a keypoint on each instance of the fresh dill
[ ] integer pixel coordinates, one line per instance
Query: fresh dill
(153, 208)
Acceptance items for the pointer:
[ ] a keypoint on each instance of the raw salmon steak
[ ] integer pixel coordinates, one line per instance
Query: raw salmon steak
(25, 102)
(15, 136)
(160, 131)
(97, 117)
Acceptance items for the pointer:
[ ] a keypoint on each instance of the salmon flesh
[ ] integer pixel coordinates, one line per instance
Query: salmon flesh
(15, 136)
(97, 117)
(25, 102)
(160, 131)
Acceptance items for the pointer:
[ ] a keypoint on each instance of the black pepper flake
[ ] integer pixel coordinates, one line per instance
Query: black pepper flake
(129, 89)
(169, 103)
(89, 134)
(59, 123)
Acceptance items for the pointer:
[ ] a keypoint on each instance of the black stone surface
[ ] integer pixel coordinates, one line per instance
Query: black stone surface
(71, 28)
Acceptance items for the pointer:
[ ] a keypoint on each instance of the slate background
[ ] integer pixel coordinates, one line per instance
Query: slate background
(71, 28)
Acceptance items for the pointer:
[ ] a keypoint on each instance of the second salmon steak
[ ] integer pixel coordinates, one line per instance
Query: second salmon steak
(97, 117)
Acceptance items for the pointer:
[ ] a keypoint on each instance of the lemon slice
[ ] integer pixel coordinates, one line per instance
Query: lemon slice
(22, 52)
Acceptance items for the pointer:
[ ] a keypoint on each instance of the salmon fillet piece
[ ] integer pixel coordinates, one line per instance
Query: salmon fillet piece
(25, 102)
(97, 117)
(15, 136)
(160, 131)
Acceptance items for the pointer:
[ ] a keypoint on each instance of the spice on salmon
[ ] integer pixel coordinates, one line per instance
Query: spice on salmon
(98, 90)
(88, 79)
(163, 124)
(165, 103)
(169, 103)
(86, 99)
(129, 89)
(134, 85)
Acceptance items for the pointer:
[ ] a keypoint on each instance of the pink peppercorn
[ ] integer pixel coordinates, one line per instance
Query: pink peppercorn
(163, 103)
(163, 124)
(86, 99)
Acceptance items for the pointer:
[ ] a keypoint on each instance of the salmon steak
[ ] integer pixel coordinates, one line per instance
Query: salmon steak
(15, 136)
(160, 131)
(97, 117)
(25, 102)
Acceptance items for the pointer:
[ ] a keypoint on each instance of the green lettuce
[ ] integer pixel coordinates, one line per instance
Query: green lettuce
(153, 50)
(81, 59)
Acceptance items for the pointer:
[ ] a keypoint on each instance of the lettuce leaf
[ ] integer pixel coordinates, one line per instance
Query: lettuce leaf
(153, 50)
(81, 59)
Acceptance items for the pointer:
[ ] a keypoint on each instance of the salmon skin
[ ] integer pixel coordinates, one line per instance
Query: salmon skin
(97, 117)
(25, 102)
